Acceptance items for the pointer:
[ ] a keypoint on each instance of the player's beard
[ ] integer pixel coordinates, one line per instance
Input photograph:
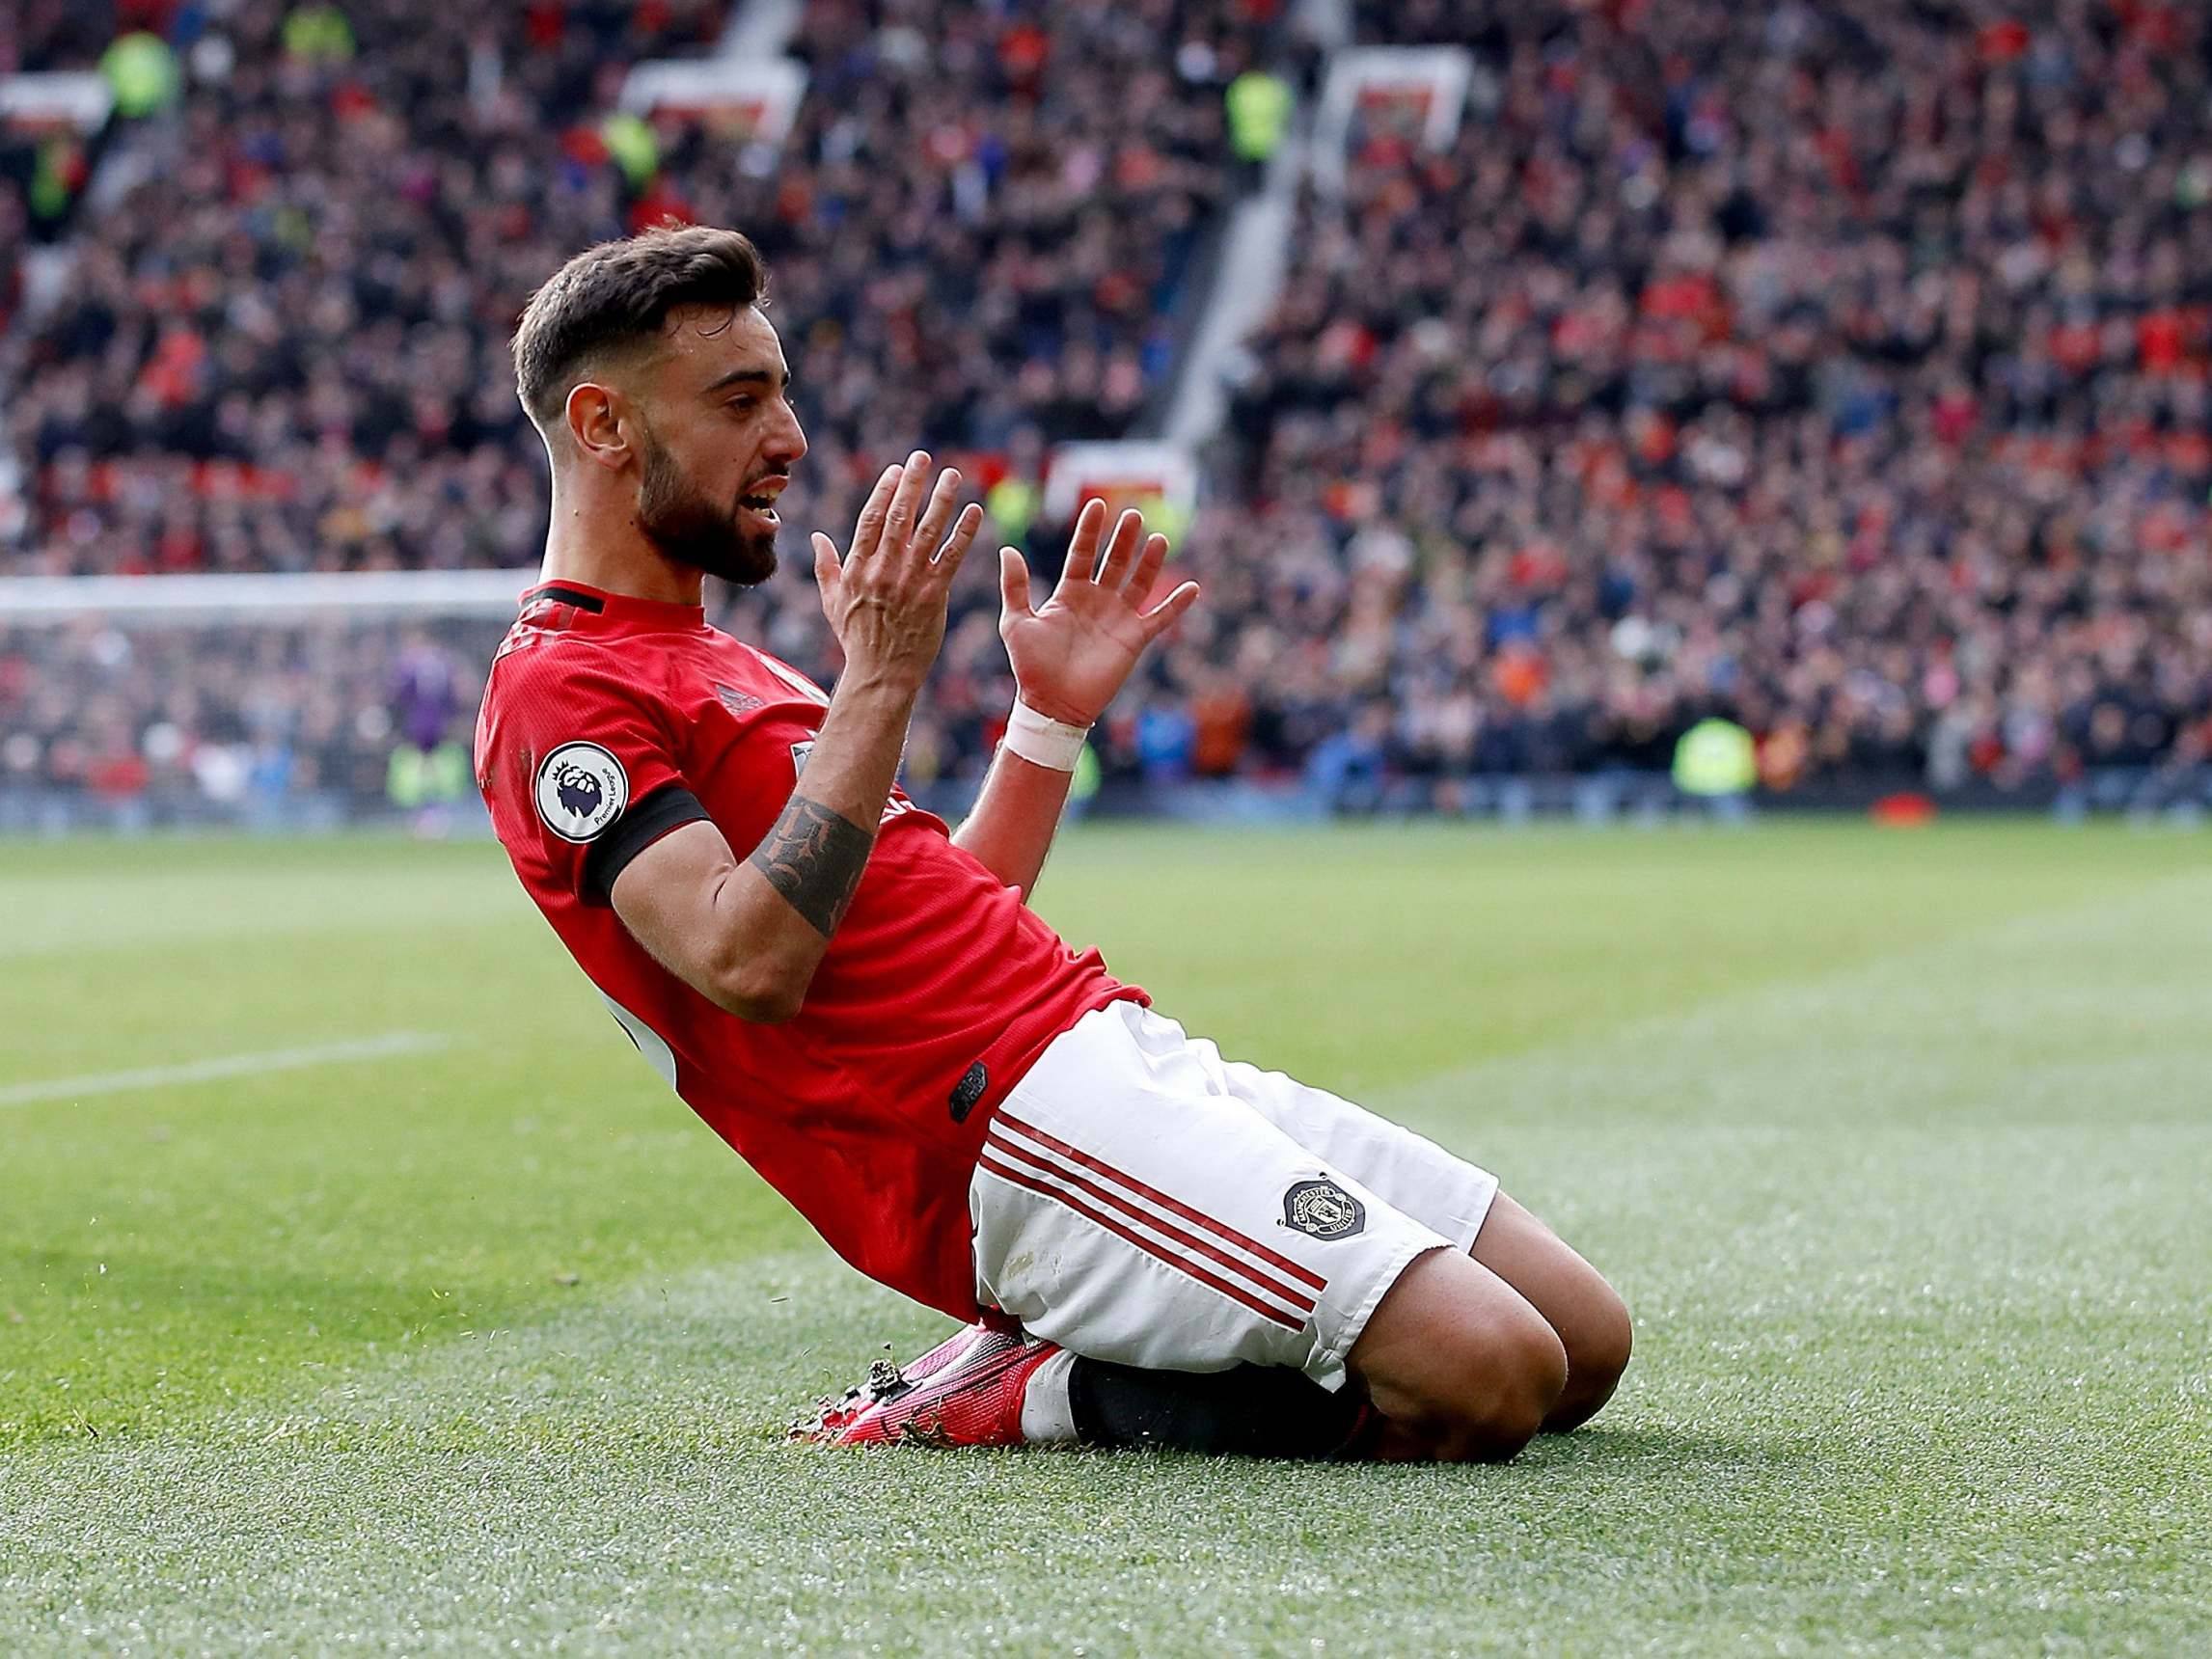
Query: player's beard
(688, 526)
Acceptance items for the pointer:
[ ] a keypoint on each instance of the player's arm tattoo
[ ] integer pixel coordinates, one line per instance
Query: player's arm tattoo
(814, 858)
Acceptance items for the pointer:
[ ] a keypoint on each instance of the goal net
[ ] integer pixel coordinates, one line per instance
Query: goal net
(277, 702)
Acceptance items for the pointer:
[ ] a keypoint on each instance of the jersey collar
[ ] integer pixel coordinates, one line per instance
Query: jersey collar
(618, 609)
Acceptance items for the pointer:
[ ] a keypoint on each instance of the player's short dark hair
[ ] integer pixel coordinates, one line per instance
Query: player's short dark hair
(618, 295)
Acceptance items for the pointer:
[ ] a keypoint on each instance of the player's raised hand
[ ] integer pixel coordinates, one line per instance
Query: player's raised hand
(884, 597)
(1072, 653)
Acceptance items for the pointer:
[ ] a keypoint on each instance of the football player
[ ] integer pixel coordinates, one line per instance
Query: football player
(1146, 1243)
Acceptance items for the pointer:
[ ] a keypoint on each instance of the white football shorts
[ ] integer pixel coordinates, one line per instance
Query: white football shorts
(1141, 1200)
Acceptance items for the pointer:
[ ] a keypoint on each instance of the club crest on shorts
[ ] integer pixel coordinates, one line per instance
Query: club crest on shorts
(581, 790)
(1322, 1209)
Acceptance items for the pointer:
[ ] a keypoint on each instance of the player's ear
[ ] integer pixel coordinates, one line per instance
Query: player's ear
(599, 423)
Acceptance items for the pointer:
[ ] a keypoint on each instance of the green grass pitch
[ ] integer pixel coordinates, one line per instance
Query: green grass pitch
(1899, 1145)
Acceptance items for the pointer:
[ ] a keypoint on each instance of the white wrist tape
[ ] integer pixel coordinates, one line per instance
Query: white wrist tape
(1044, 741)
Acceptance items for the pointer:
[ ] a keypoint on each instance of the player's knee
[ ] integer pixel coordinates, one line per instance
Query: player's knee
(1598, 1352)
(1524, 1386)
(1512, 1376)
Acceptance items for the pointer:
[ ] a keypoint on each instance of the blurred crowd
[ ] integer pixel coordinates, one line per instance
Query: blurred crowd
(41, 170)
(286, 348)
(1838, 369)
(283, 347)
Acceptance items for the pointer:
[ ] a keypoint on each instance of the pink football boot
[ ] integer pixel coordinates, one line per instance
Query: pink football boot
(967, 1391)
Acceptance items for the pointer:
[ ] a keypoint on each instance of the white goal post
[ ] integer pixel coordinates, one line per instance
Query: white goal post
(193, 601)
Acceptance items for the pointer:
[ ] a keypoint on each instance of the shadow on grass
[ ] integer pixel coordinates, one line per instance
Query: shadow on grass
(1667, 1452)
(1614, 1454)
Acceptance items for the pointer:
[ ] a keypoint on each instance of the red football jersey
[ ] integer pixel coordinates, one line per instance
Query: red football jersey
(610, 720)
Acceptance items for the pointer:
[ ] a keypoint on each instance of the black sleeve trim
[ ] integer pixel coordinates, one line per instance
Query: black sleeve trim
(645, 823)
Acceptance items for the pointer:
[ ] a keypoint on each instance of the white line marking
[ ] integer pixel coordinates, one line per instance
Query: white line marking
(225, 1066)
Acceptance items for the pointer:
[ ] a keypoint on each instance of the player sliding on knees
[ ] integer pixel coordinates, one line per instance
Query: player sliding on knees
(1147, 1244)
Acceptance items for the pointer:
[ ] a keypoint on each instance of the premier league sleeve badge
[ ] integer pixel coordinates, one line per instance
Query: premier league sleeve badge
(581, 790)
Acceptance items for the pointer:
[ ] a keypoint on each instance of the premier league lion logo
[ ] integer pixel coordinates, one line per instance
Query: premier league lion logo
(581, 789)
(1322, 1209)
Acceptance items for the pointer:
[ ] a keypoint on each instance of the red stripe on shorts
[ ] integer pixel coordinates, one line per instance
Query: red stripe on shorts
(1008, 1148)
(1304, 1275)
(1190, 1269)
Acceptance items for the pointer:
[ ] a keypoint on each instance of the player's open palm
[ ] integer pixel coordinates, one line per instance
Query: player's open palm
(886, 596)
(1072, 653)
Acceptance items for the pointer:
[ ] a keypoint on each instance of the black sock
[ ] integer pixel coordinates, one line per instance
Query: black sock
(1251, 1411)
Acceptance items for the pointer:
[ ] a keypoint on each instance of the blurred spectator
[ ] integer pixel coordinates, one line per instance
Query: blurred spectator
(42, 169)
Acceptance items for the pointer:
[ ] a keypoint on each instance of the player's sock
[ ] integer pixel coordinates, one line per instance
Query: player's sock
(1048, 1414)
(1250, 1411)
